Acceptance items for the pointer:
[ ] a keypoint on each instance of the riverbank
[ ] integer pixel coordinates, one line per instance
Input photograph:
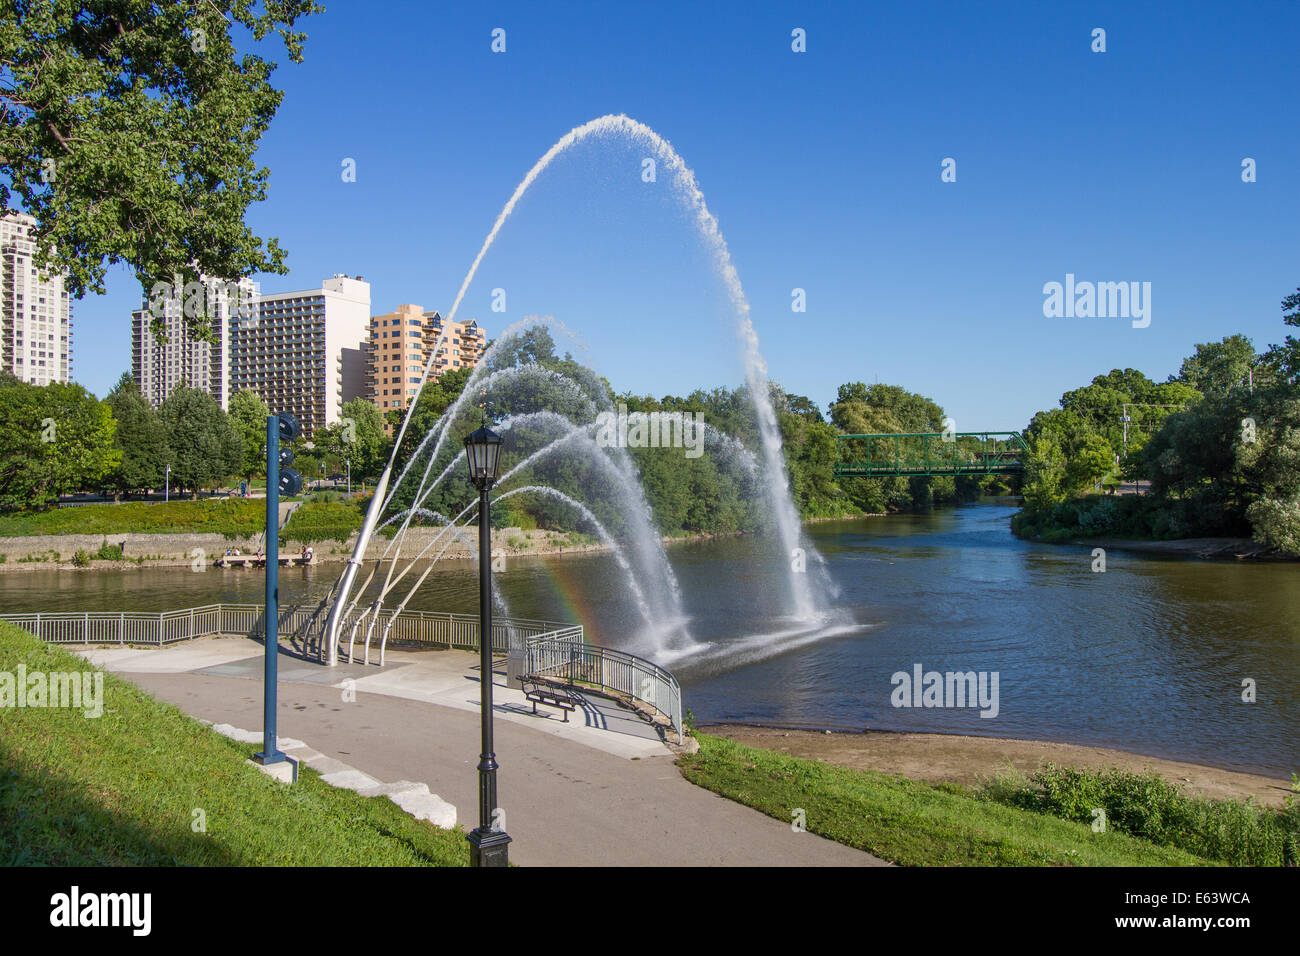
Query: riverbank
(967, 761)
(41, 552)
(1207, 548)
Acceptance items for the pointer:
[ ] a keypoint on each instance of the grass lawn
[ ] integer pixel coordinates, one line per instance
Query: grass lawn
(325, 521)
(232, 517)
(124, 788)
(908, 822)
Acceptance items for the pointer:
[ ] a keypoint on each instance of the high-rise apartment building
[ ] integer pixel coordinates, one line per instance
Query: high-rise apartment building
(400, 345)
(463, 345)
(35, 313)
(305, 352)
(159, 365)
(397, 355)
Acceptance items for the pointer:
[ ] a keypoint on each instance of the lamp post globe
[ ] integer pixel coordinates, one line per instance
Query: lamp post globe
(488, 843)
(483, 455)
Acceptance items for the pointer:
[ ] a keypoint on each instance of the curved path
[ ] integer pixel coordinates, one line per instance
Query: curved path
(567, 802)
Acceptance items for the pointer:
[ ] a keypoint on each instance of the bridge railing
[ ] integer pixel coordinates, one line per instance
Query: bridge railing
(565, 656)
(915, 454)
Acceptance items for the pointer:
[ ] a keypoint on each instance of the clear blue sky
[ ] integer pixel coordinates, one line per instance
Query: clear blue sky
(824, 171)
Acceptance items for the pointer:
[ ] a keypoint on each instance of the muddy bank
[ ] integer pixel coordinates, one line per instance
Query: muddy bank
(1239, 548)
(951, 758)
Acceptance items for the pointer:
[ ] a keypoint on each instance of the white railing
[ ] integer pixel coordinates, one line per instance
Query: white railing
(565, 656)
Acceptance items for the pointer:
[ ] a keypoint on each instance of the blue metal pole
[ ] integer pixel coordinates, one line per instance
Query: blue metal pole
(272, 581)
(270, 751)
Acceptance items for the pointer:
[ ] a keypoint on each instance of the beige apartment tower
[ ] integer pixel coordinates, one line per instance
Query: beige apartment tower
(399, 348)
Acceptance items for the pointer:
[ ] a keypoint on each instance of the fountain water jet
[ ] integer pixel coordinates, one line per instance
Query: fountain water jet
(804, 604)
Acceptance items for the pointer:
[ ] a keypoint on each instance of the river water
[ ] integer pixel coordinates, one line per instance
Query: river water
(1149, 655)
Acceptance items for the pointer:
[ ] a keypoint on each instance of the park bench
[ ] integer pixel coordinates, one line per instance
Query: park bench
(552, 695)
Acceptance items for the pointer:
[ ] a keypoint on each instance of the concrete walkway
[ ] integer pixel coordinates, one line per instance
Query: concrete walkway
(600, 790)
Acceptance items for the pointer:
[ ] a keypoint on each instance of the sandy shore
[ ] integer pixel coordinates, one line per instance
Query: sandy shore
(939, 758)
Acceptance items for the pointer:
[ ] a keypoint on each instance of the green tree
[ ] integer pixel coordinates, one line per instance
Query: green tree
(358, 438)
(205, 449)
(129, 130)
(58, 439)
(1045, 473)
(1284, 359)
(1271, 463)
(873, 406)
(1219, 367)
(1092, 460)
(248, 415)
(141, 440)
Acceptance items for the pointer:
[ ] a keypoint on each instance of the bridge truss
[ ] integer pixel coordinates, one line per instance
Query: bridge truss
(921, 454)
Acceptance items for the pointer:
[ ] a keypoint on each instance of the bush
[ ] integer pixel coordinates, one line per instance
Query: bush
(1146, 806)
(109, 552)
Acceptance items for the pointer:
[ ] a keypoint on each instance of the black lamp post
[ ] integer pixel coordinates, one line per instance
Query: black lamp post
(488, 845)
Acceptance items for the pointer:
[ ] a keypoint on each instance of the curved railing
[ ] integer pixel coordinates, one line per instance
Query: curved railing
(565, 656)
(551, 650)
(160, 628)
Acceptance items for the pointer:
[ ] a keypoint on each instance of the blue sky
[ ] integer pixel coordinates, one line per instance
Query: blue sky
(823, 169)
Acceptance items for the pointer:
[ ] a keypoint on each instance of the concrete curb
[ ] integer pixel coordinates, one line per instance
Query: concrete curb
(414, 798)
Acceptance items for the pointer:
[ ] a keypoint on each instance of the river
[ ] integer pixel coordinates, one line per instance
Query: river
(1147, 656)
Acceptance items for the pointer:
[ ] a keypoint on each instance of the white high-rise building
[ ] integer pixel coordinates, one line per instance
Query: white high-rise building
(159, 365)
(35, 313)
(305, 352)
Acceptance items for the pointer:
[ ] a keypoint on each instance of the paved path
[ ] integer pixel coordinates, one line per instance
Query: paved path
(567, 801)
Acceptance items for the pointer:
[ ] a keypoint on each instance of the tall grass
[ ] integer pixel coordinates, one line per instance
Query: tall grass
(1146, 806)
(324, 520)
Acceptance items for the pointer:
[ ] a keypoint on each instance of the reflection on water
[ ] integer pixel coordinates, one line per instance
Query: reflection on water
(1149, 656)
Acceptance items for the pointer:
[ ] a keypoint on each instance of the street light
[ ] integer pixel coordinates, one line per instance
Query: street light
(167, 482)
(488, 845)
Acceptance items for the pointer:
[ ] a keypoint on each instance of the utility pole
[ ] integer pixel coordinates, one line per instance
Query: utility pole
(1124, 417)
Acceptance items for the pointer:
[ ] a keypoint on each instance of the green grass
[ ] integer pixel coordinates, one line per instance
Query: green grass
(1145, 805)
(122, 789)
(908, 822)
(231, 517)
(324, 520)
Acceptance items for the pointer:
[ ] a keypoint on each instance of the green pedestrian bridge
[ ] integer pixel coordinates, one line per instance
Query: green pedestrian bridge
(937, 453)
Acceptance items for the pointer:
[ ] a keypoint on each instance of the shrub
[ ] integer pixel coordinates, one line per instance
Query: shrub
(1146, 806)
(109, 552)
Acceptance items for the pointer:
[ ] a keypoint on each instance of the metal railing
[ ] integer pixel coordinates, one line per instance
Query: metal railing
(565, 656)
(160, 628)
(552, 650)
